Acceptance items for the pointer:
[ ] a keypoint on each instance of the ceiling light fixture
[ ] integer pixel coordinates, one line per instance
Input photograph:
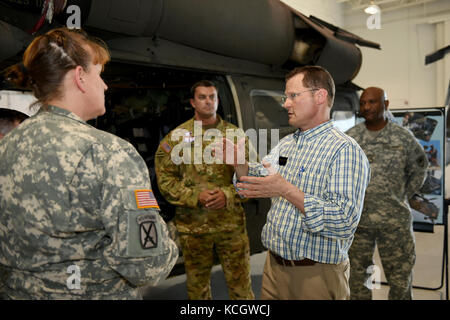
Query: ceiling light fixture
(372, 9)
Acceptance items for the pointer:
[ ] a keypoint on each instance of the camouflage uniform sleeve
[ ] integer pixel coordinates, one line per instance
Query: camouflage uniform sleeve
(170, 181)
(416, 167)
(233, 198)
(137, 242)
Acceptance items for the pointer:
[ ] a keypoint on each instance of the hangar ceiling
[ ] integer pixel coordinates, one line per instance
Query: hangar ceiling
(385, 5)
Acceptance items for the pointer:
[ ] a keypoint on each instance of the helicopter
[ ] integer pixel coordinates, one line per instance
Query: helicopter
(159, 48)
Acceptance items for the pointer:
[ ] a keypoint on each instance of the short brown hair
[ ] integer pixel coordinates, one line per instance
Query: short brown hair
(315, 77)
(202, 83)
(50, 56)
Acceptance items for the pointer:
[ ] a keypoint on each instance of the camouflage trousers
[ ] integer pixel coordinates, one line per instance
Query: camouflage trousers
(233, 251)
(396, 247)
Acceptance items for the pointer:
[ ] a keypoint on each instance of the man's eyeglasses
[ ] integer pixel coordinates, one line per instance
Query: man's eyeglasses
(292, 96)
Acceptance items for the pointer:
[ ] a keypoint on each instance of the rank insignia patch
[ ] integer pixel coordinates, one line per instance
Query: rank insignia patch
(145, 199)
(147, 231)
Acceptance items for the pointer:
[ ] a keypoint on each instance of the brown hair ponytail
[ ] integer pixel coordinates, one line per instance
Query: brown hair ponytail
(49, 57)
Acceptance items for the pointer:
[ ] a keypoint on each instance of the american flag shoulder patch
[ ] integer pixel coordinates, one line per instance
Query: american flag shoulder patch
(145, 199)
(166, 147)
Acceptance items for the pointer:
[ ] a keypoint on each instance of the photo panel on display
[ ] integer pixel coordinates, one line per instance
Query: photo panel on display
(428, 126)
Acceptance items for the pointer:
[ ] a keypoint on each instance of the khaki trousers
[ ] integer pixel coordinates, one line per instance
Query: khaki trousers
(317, 282)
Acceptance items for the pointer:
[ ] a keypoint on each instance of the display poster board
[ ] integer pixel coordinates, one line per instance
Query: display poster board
(428, 126)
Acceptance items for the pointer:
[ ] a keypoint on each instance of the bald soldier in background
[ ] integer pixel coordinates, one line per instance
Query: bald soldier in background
(209, 215)
(398, 164)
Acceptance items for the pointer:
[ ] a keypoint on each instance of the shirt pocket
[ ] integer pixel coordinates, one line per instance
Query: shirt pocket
(310, 181)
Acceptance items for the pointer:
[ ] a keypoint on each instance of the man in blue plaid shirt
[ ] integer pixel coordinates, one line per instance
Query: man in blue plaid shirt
(316, 178)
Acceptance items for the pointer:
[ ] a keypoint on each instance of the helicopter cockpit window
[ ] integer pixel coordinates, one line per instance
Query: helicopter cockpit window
(344, 120)
(269, 112)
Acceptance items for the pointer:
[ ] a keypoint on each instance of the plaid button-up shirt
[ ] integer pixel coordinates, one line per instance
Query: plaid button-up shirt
(333, 172)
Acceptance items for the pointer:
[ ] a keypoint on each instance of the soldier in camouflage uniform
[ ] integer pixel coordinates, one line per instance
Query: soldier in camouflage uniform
(209, 215)
(9, 119)
(78, 220)
(398, 165)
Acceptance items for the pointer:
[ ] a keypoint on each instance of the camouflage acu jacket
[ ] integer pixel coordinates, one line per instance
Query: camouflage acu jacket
(71, 225)
(398, 166)
(181, 183)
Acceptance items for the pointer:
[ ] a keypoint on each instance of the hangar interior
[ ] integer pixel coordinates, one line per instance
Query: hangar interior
(400, 69)
(408, 31)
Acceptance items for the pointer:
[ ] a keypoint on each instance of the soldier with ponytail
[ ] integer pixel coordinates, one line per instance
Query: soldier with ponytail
(74, 221)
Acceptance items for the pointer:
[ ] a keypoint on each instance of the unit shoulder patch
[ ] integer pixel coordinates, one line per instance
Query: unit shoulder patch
(147, 231)
(144, 234)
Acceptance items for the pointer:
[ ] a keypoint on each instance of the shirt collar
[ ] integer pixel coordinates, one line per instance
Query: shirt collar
(314, 132)
(63, 112)
(218, 125)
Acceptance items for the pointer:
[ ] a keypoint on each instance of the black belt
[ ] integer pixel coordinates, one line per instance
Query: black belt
(291, 263)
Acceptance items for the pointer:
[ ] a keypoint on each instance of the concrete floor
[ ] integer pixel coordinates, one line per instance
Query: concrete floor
(427, 270)
(427, 273)
(174, 288)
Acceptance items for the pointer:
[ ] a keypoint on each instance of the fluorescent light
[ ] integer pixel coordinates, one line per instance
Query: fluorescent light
(372, 9)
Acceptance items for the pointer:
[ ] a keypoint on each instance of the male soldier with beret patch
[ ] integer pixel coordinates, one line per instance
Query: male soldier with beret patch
(398, 164)
(209, 215)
